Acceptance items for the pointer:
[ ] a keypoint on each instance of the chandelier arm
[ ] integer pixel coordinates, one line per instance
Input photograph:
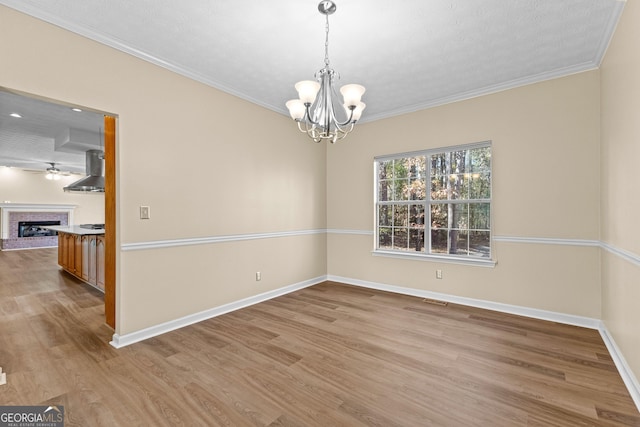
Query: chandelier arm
(307, 115)
(313, 131)
(340, 126)
(349, 120)
(299, 122)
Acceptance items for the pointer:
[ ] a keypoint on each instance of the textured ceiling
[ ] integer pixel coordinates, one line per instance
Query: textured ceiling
(410, 55)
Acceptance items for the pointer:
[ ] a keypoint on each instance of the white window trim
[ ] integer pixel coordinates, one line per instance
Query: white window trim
(424, 256)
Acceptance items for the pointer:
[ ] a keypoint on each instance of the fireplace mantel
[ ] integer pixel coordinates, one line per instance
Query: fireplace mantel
(7, 208)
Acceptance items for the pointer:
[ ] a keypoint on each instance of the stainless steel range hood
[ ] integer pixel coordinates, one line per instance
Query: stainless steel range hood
(94, 182)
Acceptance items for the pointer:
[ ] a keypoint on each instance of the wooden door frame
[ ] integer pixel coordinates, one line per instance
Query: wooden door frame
(110, 220)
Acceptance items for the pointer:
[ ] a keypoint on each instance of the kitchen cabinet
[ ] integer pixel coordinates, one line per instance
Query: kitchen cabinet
(100, 262)
(77, 255)
(81, 253)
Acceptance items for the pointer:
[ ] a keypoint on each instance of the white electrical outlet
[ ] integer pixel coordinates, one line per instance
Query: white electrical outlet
(438, 274)
(145, 212)
(258, 276)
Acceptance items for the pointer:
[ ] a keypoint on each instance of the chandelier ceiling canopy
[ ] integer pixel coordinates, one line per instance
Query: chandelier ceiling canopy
(315, 110)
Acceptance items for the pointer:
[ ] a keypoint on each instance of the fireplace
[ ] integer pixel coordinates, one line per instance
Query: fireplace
(21, 224)
(34, 228)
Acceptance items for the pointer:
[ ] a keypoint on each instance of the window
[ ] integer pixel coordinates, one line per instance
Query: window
(435, 203)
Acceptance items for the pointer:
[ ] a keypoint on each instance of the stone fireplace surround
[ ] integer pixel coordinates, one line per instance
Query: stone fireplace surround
(12, 213)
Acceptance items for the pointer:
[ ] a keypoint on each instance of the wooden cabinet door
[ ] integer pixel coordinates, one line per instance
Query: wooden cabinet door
(71, 253)
(77, 251)
(65, 242)
(62, 256)
(91, 260)
(100, 262)
(85, 258)
(61, 246)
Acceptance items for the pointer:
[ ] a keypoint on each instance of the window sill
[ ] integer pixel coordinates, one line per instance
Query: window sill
(481, 262)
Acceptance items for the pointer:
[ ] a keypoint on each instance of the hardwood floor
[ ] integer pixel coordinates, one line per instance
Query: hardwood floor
(328, 355)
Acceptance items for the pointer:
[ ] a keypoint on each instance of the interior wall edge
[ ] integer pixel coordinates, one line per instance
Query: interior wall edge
(629, 379)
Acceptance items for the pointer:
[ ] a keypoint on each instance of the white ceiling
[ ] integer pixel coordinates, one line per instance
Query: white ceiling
(409, 54)
(29, 142)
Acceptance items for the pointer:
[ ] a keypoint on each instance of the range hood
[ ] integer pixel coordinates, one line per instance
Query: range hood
(94, 182)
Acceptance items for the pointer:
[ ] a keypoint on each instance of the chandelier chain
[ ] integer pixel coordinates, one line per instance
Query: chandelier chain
(326, 42)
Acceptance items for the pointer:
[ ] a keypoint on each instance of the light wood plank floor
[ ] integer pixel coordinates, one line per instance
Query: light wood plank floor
(328, 355)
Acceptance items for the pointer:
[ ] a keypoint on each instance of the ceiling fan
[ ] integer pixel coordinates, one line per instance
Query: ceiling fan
(53, 173)
(35, 166)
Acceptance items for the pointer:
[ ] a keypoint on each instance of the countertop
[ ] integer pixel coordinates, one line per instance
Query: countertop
(74, 229)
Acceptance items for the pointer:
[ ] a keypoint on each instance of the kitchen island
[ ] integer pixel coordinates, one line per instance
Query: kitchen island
(81, 252)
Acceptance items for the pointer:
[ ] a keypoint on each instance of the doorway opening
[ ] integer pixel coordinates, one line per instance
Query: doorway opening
(39, 134)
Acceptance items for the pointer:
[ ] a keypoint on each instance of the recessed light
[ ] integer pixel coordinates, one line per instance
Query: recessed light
(77, 110)
(16, 115)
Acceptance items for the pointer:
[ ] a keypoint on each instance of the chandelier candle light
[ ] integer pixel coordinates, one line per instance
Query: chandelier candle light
(315, 111)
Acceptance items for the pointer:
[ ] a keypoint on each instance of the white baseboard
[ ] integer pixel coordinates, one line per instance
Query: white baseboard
(119, 341)
(625, 371)
(629, 379)
(552, 316)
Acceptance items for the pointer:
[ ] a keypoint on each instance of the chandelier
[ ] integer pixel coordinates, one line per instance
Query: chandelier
(315, 110)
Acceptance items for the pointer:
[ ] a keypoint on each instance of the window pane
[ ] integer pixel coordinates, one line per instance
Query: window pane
(399, 190)
(456, 188)
(480, 159)
(459, 242)
(400, 240)
(418, 169)
(417, 189)
(439, 241)
(480, 243)
(400, 215)
(479, 216)
(439, 188)
(457, 161)
(438, 164)
(401, 168)
(459, 214)
(480, 185)
(384, 238)
(384, 215)
(439, 216)
(416, 239)
(385, 191)
(385, 170)
(416, 216)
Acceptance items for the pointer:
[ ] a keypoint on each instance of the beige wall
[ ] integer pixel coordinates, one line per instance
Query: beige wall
(19, 186)
(207, 163)
(546, 185)
(621, 185)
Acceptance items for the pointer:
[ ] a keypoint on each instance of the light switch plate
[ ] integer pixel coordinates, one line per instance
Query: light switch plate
(145, 212)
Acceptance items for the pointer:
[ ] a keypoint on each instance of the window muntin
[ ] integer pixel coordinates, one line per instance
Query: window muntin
(456, 209)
